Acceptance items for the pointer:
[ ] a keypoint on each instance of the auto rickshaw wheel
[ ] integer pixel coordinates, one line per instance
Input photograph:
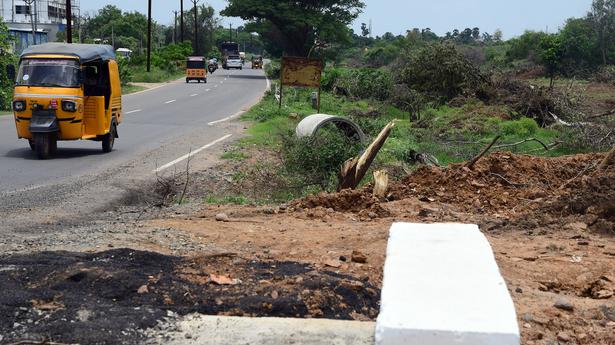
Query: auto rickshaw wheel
(42, 145)
(108, 140)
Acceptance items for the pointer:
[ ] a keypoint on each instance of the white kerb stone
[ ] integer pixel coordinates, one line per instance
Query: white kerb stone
(442, 286)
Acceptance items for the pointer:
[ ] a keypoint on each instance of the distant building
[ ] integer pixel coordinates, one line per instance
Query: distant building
(49, 17)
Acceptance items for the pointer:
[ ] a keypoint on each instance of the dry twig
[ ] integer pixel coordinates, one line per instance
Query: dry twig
(480, 155)
(523, 142)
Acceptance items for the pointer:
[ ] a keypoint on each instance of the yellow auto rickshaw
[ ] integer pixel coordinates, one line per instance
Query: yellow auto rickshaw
(196, 69)
(67, 92)
(257, 62)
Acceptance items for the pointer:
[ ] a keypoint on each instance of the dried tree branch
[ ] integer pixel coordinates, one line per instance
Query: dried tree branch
(480, 155)
(523, 142)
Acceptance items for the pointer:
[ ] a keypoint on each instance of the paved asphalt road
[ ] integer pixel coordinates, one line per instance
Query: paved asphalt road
(153, 119)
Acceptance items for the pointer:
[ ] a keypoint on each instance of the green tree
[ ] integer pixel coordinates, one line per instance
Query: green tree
(602, 16)
(580, 45)
(498, 35)
(364, 30)
(123, 29)
(206, 26)
(476, 34)
(6, 58)
(296, 27)
(526, 46)
(440, 72)
(551, 54)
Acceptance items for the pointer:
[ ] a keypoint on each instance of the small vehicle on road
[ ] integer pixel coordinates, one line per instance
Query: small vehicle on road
(67, 92)
(196, 69)
(233, 61)
(257, 62)
(212, 66)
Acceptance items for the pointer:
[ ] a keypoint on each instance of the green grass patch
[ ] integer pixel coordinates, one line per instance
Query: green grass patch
(156, 75)
(4, 113)
(226, 200)
(128, 89)
(234, 155)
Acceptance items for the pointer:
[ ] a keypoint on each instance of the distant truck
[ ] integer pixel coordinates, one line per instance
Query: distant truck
(242, 55)
(228, 49)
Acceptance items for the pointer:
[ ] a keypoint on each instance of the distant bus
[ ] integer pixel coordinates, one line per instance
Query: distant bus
(229, 48)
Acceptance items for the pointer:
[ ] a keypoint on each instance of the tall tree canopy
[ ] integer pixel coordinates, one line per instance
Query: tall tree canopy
(295, 27)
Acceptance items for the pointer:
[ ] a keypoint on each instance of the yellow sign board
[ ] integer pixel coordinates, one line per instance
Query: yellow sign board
(302, 72)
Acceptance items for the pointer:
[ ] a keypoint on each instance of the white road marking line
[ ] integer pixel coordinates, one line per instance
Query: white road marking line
(189, 155)
(133, 111)
(154, 88)
(227, 118)
(207, 90)
(194, 95)
(171, 101)
(216, 85)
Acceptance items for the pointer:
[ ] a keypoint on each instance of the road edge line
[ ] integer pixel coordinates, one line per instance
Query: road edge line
(189, 155)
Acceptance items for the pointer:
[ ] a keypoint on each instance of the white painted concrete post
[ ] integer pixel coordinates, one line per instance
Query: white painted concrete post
(442, 286)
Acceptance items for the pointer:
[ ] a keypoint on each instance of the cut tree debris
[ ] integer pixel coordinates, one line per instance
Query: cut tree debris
(381, 183)
(608, 160)
(355, 168)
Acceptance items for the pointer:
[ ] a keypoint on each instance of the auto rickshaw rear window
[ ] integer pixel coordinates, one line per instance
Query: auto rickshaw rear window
(195, 64)
(48, 73)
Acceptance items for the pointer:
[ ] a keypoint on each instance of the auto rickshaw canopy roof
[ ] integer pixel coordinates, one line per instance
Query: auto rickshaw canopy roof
(85, 52)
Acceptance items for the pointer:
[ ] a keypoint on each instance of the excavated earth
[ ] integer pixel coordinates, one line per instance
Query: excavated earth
(550, 221)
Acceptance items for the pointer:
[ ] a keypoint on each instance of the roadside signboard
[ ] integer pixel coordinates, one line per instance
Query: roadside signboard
(300, 72)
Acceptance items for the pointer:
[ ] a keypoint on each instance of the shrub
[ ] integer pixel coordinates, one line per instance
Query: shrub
(440, 72)
(605, 74)
(6, 58)
(522, 128)
(125, 71)
(329, 78)
(318, 160)
(365, 83)
(272, 70)
(382, 56)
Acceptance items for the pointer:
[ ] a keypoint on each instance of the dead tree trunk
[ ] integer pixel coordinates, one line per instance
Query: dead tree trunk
(355, 169)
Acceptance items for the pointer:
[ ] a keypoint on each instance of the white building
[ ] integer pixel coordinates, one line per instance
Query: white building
(49, 17)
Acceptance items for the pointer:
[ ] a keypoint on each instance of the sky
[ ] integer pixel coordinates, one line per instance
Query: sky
(396, 16)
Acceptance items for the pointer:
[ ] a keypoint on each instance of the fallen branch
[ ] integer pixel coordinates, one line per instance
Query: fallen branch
(583, 172)
(523, 142)
(608, 160)
(608, 113)
(480, 155)
(512, 184)
(181, 199)
(605, 137)
(551, 146)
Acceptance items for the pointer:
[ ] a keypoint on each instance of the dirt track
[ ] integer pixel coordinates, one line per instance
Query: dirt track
(551, 223)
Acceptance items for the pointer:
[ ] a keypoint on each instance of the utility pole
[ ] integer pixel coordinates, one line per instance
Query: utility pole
(30, 3)
(175, 29)
(69, 22)
(230, 31)
(181, 21)
(149, 35)
(196, 28)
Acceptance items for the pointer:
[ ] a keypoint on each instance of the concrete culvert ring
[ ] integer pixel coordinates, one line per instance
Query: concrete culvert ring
(309, 126)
